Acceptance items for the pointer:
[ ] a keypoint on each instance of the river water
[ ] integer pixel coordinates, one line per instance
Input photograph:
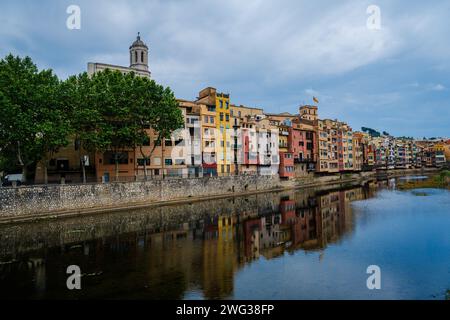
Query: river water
(314, 243)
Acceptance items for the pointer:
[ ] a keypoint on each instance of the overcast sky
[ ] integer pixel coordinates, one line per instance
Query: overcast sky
(270, 54)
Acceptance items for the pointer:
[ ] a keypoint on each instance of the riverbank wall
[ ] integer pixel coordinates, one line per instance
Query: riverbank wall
(50, 201)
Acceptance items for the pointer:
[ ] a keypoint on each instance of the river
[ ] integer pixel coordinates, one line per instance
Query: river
(314, 243)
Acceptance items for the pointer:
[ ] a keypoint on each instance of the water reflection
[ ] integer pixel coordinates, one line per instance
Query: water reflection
(188, 251)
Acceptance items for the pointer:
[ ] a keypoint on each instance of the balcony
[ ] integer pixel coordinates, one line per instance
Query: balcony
(304, 160)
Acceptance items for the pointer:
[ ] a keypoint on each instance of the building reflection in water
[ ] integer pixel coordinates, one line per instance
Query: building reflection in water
(168, 252)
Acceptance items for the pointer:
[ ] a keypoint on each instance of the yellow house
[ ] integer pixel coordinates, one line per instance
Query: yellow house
(225, 163)
(219, 104)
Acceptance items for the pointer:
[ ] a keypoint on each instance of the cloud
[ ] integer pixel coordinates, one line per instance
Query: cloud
(265, 53)
(312, 93)
(438, 87)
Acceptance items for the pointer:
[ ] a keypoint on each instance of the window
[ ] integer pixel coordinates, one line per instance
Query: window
(211, 119)
(157, 142)
(111, 157)
(221, 104)
(135, 56)
(142, 161)
(227, 117)
(168, 162)
(221, 116)
(227, 105)
(168, 143)
(142, 56)
(206, 119)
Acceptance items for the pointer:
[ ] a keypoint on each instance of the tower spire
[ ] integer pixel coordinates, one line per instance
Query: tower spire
(139, 54)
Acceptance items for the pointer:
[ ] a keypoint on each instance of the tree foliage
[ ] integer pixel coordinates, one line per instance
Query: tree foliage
(109, 111)
(372, 132)
(32, 120)
(112, 111)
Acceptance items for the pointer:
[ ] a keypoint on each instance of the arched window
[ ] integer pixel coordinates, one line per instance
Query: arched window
(135, 57)
(142, 56)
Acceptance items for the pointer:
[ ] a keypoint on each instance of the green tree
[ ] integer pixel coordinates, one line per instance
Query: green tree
(112, 112)
(119, 129)
(77, 94)
(159, 111)
(32, 123)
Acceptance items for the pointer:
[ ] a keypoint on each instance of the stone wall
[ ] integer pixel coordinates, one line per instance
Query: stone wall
(53, 198)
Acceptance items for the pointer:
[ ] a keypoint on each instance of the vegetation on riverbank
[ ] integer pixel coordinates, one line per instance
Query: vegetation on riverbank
(443, 178)
(440, 180)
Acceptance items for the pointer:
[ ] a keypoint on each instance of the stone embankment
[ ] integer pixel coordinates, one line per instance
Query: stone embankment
(36, 202)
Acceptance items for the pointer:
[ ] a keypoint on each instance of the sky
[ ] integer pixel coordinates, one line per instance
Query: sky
(275, 55)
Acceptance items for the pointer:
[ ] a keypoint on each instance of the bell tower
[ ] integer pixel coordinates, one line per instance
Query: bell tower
(139, 54)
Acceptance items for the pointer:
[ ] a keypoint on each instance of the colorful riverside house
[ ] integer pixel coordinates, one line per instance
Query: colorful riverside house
(323, 143)
(244, 121)
(286, 170)
(258, 138)
(360, 144)
(302, 141)
(400, 154)
(249, 156)
(447, 151)
(165, 160)
(224, 130)
(345, 147)
(219, 105)
(268, 152)
(283, 137)
(192, 136)
(439, 155)
(208, 129)
(328, 145)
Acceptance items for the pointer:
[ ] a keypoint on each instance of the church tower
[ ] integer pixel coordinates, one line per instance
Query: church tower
(139, 55)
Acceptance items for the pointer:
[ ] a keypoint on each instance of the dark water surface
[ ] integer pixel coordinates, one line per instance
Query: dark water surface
(304, 244)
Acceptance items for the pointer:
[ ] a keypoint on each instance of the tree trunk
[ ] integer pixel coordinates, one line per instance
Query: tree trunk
(116, 160)
(24, 172)
(21, 163)
(163, 161)
(83, 168)
(45, 173)
(145, 163)
(145, 169)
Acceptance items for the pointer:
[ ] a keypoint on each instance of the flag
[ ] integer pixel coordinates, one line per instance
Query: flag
(316, 100)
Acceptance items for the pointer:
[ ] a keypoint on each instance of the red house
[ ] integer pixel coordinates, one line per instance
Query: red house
(286, 169)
